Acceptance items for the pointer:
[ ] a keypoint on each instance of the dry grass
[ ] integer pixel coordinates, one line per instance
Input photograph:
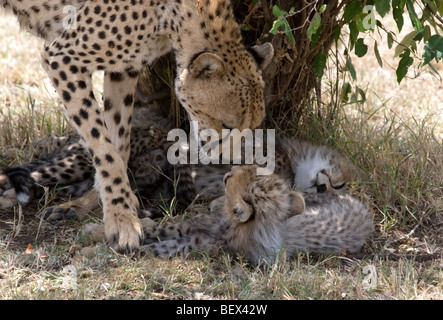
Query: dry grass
(394, 137)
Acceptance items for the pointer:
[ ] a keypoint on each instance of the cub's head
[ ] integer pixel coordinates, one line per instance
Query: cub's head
(225, 91)
(323, 170)
(258, 198)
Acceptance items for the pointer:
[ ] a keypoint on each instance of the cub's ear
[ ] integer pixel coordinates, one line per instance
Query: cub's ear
(226, 177)
(262, 54)
(207, 64)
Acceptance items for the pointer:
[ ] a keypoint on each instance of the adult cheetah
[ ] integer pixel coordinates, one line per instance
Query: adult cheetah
(218, 80)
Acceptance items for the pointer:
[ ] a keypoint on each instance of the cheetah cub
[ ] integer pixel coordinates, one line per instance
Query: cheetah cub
(313, 168)
(306, 166)
(260, 216)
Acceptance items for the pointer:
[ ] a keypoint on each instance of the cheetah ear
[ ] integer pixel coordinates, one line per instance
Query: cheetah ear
(263, 54)
(207, 64)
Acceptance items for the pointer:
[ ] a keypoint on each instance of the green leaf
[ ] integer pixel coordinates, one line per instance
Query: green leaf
(276, 11)
(288, 32)
(353, 33)
(351, 68)
(359, 92)
(390, 40)
(346, 91)
(358, 96)
(377, 55)
(427, 33)
(320, 64)
(433, 49)
(322, 8)
(400, 4)
(314, 26)
(360, 48)
(413, 16)
(382, 7)
(397, 12)
(275, 26)
(404, 64)
(284, 24)
(352, 9)
(406, 43)
(337, 32)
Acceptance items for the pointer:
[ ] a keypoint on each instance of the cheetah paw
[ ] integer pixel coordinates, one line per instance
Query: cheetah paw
(8, 197)
(124, 232)
(56, 214)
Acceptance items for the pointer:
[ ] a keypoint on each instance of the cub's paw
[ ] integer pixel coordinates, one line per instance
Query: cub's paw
(94, 231)
(56, 214)
(77, 209)
(8, 197)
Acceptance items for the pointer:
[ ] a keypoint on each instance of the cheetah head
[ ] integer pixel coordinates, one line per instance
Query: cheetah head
(252, 197)
(318, 173)
(225, 92)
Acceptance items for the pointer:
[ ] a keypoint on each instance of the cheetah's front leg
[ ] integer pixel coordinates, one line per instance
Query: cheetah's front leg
(119, 88)
(120, 205)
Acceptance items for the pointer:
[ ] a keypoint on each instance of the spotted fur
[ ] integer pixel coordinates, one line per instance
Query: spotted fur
(218, 80)
(260, 217)
(306, 166)
(66, 166)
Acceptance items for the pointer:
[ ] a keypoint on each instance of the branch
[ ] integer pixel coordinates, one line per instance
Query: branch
(435, 13)
(266, 13)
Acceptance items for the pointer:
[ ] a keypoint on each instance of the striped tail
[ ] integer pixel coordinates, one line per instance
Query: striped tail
(20, 178)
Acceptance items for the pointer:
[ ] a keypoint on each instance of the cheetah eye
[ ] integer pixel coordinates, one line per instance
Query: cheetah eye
(339, 186)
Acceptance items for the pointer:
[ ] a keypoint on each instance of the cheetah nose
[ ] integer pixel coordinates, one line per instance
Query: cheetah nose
(321, 188)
